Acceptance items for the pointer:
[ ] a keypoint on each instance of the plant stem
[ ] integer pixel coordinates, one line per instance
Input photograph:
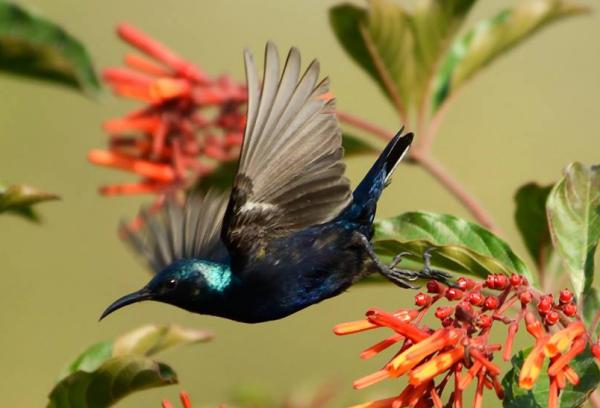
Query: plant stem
(433, 167)
(426, 139)
(595, 399)
(362, 124)
(451, 184)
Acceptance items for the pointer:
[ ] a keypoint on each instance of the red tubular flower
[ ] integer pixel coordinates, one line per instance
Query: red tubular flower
(190, 123)
(459, 349)
(185, 401)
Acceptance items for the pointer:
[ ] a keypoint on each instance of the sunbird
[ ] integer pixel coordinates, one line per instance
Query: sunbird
(291, 232)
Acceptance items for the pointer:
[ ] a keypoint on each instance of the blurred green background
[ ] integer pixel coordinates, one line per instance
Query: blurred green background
(525, 118)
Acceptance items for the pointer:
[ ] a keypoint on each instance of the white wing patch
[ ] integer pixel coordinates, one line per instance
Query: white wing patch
(253, 206)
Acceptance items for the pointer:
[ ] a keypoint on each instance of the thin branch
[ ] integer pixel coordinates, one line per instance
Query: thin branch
(426, 139)
(438, 172)
(595, 399)
(433, 167)
(362, 124)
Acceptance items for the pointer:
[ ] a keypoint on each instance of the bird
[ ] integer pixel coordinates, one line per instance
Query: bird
(290, 232)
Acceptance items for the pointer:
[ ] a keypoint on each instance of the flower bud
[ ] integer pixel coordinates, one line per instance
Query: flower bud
(544, 305)
(596, 350)
(484, 321)
(552, 318)
(443, 311)
(476, 299)
(516, 280)
(500, 282)
(491, 302)
(569, 309)
(422, 299)
(434, 287)
(525, 297)
(565, 296)
(454, 294)
(465, 283)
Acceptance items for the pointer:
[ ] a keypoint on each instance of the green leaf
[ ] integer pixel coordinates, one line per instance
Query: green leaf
(153, 339)
(19, 199)
(532, 221)
(571, 397)
(574, 216)
(398, 48)
(591, 306)
(221, 177)
(490, 38)
(108, 371)
(35, 47)
(90, 359)
(354, 146)
(460, 246)
(114, 379)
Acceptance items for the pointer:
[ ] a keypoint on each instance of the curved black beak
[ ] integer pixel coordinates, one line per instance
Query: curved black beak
(140, 295)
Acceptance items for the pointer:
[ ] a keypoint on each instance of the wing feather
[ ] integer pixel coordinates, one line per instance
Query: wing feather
(179, 230)
(291, 174)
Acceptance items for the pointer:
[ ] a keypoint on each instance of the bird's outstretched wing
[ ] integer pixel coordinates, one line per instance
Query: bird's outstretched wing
(179, 230)
(290, 174)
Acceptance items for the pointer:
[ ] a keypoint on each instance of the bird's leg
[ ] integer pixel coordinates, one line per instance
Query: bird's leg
(399, 277)
(404, 277)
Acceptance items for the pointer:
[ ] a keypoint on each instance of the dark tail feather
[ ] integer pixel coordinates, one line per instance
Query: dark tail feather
(368, 191)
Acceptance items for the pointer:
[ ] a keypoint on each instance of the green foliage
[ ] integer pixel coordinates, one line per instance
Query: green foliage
(574, 216)
(491, 38)
(114, 379)
(591, 305)
(571, 397)
(399, 49)
(353, 146)
(531, 219)
(460, 246)
(19, 199)
(412, 55)
(35, 47)
(109, 371)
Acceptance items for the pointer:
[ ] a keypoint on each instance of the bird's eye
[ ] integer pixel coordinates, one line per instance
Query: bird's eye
(171, 283)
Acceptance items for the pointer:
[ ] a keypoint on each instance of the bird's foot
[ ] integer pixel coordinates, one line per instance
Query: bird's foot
(405, 277)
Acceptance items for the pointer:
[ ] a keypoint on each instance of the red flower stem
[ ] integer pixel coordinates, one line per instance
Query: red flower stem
(506, 304)
(457, 390)
(435, 398)
(478, 401)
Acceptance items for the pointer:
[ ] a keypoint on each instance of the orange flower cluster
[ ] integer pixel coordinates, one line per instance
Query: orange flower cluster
(460, 350)
(191, 121)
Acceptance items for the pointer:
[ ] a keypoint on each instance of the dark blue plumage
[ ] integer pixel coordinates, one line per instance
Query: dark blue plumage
(291, 233)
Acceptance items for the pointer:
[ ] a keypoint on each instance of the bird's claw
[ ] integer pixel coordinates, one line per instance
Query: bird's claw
(404, 277)
(428, 272)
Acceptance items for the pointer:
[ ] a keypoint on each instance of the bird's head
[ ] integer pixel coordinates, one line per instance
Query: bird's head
(188, 284)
